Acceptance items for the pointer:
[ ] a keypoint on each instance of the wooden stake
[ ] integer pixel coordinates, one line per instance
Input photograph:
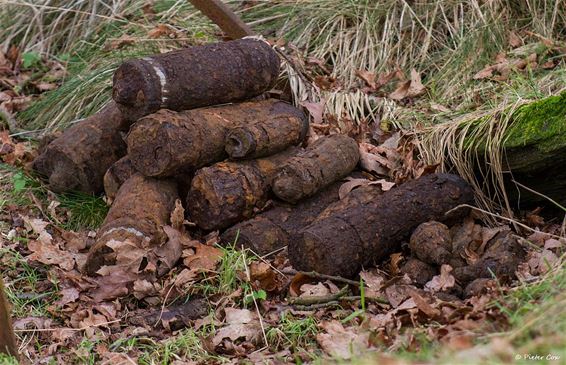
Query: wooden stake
(222, 16)
(7, 338)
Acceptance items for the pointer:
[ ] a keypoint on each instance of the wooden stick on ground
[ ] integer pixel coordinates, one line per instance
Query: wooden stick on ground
(7, 338)
(221, 15)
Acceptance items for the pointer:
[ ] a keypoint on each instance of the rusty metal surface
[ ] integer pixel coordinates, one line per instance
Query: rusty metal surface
(197, 76)
(79, 158)
(288, 126)
(328, 159)
(357, 235)
(167, 142)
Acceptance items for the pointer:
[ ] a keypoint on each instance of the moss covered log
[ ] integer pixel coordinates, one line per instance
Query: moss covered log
(535, 150)
(78, 159)
(196, 76)
(328, 159)
(116, 175)
(354, 235)
(229, 192)
(142, 207)
(288, 127)
(276, 227)
(167, 143)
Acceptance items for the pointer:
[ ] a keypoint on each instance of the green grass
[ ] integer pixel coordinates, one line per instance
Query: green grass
(81, 211)
(26, 291)
(536, 314)
(187, 344)
(293, 333)
(8, 360)
(84, 211)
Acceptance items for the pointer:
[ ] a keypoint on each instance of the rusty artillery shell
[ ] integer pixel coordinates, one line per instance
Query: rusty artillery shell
(276, 227)
(116, 175)
(167, 142)
(142, 207)
(229, 192)
(354, 235)
(196, 76)
(79, 158)
(327, 160)
(288, 126)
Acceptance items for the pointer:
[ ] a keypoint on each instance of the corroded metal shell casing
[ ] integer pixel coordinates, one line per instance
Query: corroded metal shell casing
(288, 126)
(328, 159)
(229, 192)
(116, 175)
(167, 142)
(369, 228)
(142, 207)
(79, 158)
(197, 76)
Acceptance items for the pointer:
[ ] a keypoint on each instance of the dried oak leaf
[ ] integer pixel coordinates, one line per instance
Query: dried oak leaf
(316, 290)
(48, 252)
(263, 276)
(162, 30)
(241, 324)
(378, 159)
(115, 282)
(443, 281)
(373, 281)
(410, 88)
(201, 257)
(316, 110)
(367, 77)
(123, 41)
(353, 183)
(342, 342)
(424, 304)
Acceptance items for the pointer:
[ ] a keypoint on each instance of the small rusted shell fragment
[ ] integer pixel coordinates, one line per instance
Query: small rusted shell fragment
(78, 159)
(431, 243)
(116, 175)
(328, 159)
(420, 272)
(194, 77)
(288, 127)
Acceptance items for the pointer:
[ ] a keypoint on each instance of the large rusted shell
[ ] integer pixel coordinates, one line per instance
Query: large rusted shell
(167, 143)
(355, 235)
(142, 207)
(327, 160)
(197, 76)
(276, 227)
(79, 158)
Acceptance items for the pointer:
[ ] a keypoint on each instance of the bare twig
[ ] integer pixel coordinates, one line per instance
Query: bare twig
(315, 275)
(514, 221)
(319, 298)
(316, 306)
(248, 275)
(540, 194)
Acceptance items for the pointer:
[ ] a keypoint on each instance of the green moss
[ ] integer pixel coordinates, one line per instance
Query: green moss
(542, 123)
